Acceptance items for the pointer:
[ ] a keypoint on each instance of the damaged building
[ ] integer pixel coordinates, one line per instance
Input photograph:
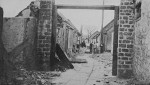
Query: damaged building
(43, 39)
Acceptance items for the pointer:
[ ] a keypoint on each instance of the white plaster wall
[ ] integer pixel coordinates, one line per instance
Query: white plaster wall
(142, 44)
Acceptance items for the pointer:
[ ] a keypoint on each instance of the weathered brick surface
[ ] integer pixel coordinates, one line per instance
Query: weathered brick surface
(125, 39)
(141, 59)
(44, 34)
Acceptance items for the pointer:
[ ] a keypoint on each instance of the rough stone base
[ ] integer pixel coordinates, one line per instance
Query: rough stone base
(125, 73)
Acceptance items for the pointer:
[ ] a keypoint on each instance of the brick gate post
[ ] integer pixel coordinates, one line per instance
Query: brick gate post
(125, 39)
(44, 35)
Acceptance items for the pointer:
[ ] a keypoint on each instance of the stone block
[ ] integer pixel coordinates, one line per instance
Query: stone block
(129, 46)
(121, 54)
(120, 41)
(126, 3)
(125, 50)
(121, 62)
(126, 41)
(128, 62)
(121, 29)
(123, 7)
(122, 45)
(128, 54)
(41, 37)
(45, 4)
(125, 66)
(124, 58)
(128, 26)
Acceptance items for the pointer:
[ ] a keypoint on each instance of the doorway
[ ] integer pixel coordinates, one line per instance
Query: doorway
(104, 7)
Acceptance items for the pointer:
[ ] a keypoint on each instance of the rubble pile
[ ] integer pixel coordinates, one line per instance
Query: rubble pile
(35, 77)
(108, 79)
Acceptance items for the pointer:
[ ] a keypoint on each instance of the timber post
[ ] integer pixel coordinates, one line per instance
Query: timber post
(1, 44)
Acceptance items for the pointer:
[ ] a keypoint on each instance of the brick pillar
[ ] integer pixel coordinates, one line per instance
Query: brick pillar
(44, 35)
(125, 39)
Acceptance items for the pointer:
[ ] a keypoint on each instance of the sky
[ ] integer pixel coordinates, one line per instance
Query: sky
(88, 19)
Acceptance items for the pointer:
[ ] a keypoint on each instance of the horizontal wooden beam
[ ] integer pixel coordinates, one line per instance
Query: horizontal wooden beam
(94, 7)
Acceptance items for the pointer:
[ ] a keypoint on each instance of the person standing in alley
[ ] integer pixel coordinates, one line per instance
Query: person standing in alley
(91, 46)
(84, 45)
(78, 47)
(101, 48)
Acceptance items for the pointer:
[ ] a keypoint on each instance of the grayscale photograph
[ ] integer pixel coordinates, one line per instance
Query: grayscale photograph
(74, 42)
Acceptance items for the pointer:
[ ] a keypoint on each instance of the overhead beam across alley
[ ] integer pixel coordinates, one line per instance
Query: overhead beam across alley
(94, 7)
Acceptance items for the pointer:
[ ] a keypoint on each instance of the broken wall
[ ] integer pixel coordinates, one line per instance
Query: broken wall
(15, 32)
(141, 62)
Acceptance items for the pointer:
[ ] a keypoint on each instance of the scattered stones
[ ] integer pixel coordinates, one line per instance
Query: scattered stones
(36, 77)
(107, 82)
(98, 81)
(105, 75)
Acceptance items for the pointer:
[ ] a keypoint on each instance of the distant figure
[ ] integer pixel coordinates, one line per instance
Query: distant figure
(94, 47)
(83, 44)
(101, 47)
(91, 46)
(78, 48)
(73, 49)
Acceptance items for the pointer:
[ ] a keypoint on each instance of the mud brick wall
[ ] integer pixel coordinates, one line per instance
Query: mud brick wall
(125, 39)
(141, 62)
(15, 31)
(44, 34)
(109, 43)
(61, 32)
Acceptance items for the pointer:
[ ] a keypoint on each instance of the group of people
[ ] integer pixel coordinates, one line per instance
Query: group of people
(94, 48)
(76, 48)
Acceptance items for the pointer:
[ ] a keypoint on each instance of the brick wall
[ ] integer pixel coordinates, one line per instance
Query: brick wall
(44, 34)
(142, 44)
(125, 39)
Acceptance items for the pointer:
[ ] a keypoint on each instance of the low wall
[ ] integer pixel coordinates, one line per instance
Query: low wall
(16, 31)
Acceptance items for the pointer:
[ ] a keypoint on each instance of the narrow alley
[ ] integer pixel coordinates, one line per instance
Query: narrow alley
(97, 71)
(75, 42)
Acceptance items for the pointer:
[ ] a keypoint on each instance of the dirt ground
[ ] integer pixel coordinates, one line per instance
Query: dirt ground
(97, 71)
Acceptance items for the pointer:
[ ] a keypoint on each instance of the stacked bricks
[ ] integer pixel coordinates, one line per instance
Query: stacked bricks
(44, 35)
(125, 39)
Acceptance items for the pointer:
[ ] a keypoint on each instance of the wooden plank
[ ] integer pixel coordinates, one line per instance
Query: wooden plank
(95, 7)
(76, 60)
(63, 57)
(115, 42)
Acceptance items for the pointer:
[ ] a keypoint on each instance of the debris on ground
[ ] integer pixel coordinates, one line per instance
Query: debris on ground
(97, 71)
(36, 77)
